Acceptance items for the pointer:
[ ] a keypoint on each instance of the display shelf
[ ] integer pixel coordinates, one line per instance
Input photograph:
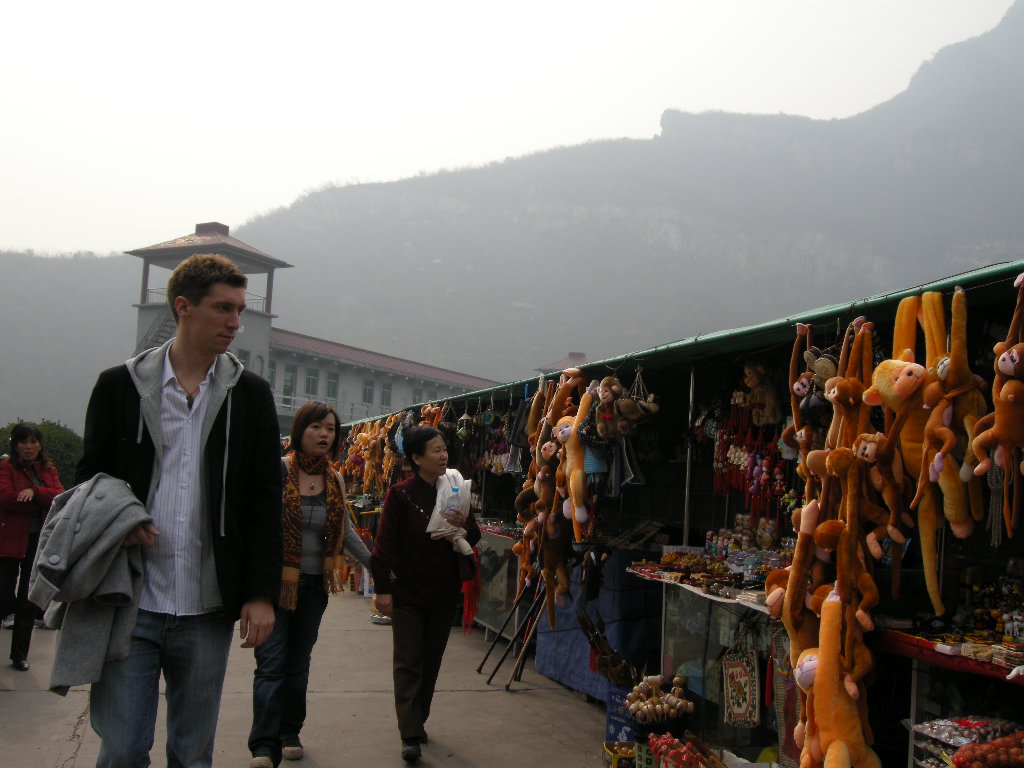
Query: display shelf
(697, 630)
(902, 644)
(664, 577)
(631, 611)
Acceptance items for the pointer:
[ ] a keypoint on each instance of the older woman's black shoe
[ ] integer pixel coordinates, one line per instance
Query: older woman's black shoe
(20, 664)
(411, 749)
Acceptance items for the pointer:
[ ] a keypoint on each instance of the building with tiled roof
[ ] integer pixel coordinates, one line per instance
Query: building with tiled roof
(358, 382)
(574, 360)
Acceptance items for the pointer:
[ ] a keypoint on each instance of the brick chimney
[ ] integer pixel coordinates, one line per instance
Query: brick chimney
(212, 228)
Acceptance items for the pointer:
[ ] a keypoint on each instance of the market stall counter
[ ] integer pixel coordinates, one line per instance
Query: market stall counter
(631, 610)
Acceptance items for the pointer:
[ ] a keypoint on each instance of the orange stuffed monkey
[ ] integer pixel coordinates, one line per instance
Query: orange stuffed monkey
(567, 429)
(898, 384)
(1004, 427)
(840, 739)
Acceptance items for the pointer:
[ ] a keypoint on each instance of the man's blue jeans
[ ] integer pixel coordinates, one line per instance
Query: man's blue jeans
(192, 653)
(282, 671)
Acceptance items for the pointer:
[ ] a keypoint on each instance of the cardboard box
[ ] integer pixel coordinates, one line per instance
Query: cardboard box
(644, 757)
(612, 759)
(618, 725)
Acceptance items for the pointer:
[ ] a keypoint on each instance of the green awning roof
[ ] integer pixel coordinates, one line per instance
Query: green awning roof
(991, 283)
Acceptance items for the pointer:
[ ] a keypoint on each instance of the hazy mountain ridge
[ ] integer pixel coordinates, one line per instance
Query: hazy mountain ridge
(65, 320)
(612, 246)
(720, 220)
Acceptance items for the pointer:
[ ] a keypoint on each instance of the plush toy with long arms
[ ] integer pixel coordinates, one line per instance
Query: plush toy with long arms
(898, 384)
(798, 435)
(1002, 428)
(567, 431)
(840, 737)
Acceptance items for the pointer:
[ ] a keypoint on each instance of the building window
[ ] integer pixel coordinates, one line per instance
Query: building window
(312, 381)
(431, 397)
(243, 357)
(290, 373)
(368, 391)
(417, 396)
(272, 373)
(331, 392)
(385, 394)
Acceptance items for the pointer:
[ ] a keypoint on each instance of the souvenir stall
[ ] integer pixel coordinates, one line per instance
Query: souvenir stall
(775, 543)
(911, 588)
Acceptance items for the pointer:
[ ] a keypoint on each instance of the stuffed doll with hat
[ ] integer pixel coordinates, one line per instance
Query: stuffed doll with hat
(616, 414)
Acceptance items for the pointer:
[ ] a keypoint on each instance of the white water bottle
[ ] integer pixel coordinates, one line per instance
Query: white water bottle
(454, 502)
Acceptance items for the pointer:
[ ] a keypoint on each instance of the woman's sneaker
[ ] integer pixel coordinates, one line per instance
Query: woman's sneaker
(291, 750)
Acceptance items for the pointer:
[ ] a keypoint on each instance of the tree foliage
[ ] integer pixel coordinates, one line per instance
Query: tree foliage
(61, 444)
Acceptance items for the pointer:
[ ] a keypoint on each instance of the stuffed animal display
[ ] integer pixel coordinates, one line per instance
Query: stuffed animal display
(865, 485)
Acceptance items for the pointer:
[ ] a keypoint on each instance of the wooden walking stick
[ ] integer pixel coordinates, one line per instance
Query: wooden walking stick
(535, 606)
(517, 669)
(511, 613)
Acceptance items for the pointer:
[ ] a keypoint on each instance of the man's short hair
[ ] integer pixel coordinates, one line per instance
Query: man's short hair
(197, 274)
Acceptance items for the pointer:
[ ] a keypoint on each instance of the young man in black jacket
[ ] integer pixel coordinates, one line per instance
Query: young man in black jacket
(196, 438)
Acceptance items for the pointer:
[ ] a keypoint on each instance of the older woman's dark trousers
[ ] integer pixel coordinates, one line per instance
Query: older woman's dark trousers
(420, 636)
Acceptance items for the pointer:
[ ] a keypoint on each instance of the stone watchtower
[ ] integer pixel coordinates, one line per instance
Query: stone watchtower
(156, 325)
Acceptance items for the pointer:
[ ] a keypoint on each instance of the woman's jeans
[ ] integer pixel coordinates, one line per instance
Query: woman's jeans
(282, 671)
(13, 570)
(192, 653)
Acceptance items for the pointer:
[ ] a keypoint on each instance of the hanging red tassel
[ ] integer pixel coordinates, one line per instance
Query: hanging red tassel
(471, 596)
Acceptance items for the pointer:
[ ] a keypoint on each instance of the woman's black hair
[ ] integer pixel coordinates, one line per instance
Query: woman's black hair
(310, 413)
(21, 432)
(451, 439)
(414, 442)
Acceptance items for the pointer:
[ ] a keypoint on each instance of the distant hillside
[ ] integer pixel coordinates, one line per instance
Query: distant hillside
(720, 220)
(613, 246)
(65, 319)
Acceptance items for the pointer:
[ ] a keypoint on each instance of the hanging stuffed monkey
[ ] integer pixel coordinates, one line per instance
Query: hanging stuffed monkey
(1004, 427)
(898, 384)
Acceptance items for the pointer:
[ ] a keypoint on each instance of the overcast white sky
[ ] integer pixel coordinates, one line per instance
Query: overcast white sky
(125, 123)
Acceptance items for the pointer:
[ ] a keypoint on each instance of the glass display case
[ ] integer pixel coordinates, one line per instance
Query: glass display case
(944, 693)
(697, 631)
(499, 572)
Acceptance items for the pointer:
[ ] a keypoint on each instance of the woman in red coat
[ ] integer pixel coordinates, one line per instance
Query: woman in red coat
(28, 484)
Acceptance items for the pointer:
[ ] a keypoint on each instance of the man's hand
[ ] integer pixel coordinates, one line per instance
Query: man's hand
(385, 604)
(144, 534)
(256, 622)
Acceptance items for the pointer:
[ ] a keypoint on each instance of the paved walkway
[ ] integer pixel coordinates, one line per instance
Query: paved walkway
(351, 720)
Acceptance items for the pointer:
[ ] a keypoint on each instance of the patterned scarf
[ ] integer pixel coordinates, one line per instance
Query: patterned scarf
(291, 527)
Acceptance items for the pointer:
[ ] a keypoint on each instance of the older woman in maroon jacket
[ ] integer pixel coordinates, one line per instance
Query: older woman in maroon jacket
(28, 484)
(416, 580)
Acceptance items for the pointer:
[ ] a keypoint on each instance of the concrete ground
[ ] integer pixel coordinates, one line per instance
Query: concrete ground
(351, 717)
